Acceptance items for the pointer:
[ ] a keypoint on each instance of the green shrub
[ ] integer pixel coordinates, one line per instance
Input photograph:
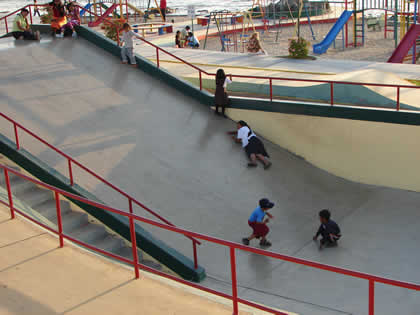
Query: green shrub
(111, 31)
(298, 48)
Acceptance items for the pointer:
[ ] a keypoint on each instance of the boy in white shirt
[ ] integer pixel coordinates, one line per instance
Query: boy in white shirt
(127, 50)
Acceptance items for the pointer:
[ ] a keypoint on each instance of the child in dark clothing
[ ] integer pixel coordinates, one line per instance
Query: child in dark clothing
(329, 230)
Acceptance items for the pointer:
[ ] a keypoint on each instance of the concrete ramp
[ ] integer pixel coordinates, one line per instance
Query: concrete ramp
(173, 154)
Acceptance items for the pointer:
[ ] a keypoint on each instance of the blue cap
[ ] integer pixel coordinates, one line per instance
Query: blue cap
(266, 204)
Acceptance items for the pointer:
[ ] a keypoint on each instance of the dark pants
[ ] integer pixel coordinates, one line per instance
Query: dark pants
(163, 12)
(37, 12)
(329, 239)
(259, 230)
(222, 107)
(27, 35)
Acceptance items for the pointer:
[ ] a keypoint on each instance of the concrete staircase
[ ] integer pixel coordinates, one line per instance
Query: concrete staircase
(76, 223)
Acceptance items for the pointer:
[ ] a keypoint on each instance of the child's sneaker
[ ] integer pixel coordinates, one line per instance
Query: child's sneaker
(245, 241)
(252, 164)
(267, 166)
(265, 243)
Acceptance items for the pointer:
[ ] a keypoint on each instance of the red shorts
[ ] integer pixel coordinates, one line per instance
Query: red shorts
(259, 230)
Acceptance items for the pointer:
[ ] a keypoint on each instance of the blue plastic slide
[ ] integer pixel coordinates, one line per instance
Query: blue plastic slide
(86, 7)
(323, 46)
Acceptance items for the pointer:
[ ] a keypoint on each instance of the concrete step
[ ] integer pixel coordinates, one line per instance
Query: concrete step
(34, 196)
(74, 220)
(90, 233)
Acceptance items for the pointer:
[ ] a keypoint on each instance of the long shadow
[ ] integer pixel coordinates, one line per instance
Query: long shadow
(28, 260)
(96, 297)
(22, 240)
(16, 302)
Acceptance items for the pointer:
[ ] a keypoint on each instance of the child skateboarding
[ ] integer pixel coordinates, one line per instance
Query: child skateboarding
(258, 223)
(329, 230)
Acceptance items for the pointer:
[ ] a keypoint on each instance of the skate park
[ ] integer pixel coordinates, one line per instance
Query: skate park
(167, 149)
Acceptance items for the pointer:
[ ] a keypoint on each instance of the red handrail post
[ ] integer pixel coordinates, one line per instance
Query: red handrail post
(195, 254)
(332, 93)
(70, 173)
(16, 136)
(201, 81)
(7, 28)
(234, 284)
(271, 89)
(59, 219)
(157, 56)
(30, 14)
(398, 98)
(9, 193)
(371, 297)
(134, 242)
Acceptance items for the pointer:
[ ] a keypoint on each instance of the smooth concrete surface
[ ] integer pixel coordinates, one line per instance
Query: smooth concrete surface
(173, 154)
(38, 277)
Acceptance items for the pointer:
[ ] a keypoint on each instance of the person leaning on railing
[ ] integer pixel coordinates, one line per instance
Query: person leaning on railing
(21, 28)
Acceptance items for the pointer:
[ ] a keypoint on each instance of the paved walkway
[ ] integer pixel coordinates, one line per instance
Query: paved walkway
(37, 277)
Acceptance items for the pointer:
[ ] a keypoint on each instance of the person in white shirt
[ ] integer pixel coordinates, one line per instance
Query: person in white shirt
(221, 98)
(126, 41)
(193, 41)
(253, 146)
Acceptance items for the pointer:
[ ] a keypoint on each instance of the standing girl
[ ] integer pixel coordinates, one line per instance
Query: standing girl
(127, 50)
(221, 98)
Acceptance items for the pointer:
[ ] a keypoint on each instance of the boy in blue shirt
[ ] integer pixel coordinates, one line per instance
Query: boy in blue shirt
(258, 223)
(329, 230)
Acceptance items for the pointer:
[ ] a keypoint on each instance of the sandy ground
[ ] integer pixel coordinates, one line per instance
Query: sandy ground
(275, 42)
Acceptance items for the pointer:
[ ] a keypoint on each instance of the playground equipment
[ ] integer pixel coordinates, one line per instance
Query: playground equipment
(399, 14)
(152, 28)
(226, 23)
(410, 40)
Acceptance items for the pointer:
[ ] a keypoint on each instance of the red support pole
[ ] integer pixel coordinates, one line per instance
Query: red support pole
(398, 98)
(134, 242)
(9, 193)
(332, 93)
(195, 254)
(234, 284)
(7, 28)
(371, 297)
(201, 81)
(70, 173)
(30, 14)
(157, 56)
(16, 136)
(126, 10)
(271, 89)
(59, 219)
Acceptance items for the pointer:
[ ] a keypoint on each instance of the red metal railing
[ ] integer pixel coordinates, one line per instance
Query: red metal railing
(72, 162)
(233, 247)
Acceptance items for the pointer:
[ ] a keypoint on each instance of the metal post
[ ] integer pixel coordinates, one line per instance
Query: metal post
(371, 297)
(9, 193)
(332, 93)
(396, 24)
(398, 98)
(234, 284)
(201, 81)
(7, 28)
(271, 89)
(157, 56)
(195, 254)
(134, 242)
(16, 136)
(59, 220)
(30, 14)
(70, 173)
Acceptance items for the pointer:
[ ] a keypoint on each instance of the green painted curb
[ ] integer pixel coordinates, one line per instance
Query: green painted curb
(168, 256)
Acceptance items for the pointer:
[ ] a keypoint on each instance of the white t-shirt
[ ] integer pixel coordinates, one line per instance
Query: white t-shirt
(227, 81)
(243, 135)
(127, 38)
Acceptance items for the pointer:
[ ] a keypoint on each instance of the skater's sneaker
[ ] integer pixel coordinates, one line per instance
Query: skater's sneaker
(267, 166)
(245, 241)
(265, 243)
(252, 164)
